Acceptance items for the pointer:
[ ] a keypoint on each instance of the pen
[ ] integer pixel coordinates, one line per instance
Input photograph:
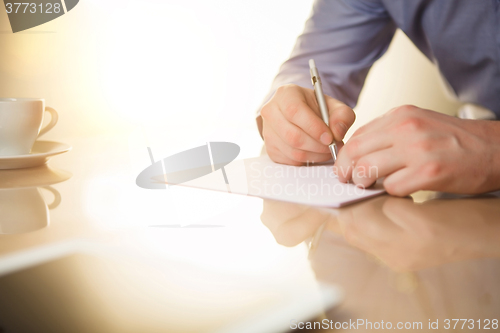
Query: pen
(320, 97)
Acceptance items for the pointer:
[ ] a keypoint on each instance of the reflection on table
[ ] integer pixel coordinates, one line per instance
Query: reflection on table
(22, 205)
(398, 260)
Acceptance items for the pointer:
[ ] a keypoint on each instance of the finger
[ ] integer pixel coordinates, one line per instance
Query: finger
(302, 156)
(301, 115)
(358, 147)
(376, 125)
(387, 120)
(340, 144)
(276, 213)
(366, 144)
(376, 165)
(289, 155)
(408, 215)
(366, 226)
(272, 150)
(404, 182)
(277, 156)
(341, 117)
(300, 227)
(294, 136)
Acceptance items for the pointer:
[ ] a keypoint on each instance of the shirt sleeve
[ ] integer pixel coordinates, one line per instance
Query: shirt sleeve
(345, 38)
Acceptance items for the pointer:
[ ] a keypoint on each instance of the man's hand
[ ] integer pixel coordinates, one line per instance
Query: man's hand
(293, 130)
(417, 149)
(291, 223)
(408, 236)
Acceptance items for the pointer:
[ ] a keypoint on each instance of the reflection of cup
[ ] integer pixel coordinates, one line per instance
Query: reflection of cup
(24, 209)
(21, 120)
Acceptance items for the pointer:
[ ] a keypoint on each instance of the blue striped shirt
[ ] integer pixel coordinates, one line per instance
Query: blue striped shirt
(345, 37)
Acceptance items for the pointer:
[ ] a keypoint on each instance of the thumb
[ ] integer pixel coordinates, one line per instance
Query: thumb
(341, 117)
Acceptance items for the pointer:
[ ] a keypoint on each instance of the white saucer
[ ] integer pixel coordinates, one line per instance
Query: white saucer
(41, 152)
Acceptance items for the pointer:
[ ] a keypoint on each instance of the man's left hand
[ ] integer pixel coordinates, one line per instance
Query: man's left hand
(418, 149)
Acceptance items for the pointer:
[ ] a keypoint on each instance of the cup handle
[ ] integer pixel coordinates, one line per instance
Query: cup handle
(57, 196)
(53, 120)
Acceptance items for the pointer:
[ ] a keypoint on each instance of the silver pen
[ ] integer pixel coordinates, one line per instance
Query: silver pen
(320, 97)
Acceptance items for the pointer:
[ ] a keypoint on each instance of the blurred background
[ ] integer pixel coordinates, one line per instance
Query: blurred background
(174, 74)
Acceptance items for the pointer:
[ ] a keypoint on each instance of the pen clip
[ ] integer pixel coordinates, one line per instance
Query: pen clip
(314, 75)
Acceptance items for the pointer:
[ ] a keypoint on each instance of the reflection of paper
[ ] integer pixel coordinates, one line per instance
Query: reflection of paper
(260, 177)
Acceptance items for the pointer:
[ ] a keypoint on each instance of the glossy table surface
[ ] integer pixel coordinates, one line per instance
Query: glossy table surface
(188, 260)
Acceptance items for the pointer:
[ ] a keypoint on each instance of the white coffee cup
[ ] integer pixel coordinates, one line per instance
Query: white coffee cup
(20, 124)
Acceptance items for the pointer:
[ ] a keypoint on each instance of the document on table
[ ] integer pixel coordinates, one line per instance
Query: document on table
(314, 185)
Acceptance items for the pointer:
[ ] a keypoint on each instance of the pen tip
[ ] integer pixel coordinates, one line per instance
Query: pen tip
(312, 64)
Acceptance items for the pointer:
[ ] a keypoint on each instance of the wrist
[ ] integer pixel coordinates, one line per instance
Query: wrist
(489, 132)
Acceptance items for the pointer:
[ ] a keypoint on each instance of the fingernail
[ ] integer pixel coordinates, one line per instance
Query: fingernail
(326, 138)
(341, 130)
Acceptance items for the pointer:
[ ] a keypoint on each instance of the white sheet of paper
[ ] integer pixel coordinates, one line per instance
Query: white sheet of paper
(315, 185)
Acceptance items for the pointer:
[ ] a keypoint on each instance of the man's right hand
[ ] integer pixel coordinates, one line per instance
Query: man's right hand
(293, 130)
